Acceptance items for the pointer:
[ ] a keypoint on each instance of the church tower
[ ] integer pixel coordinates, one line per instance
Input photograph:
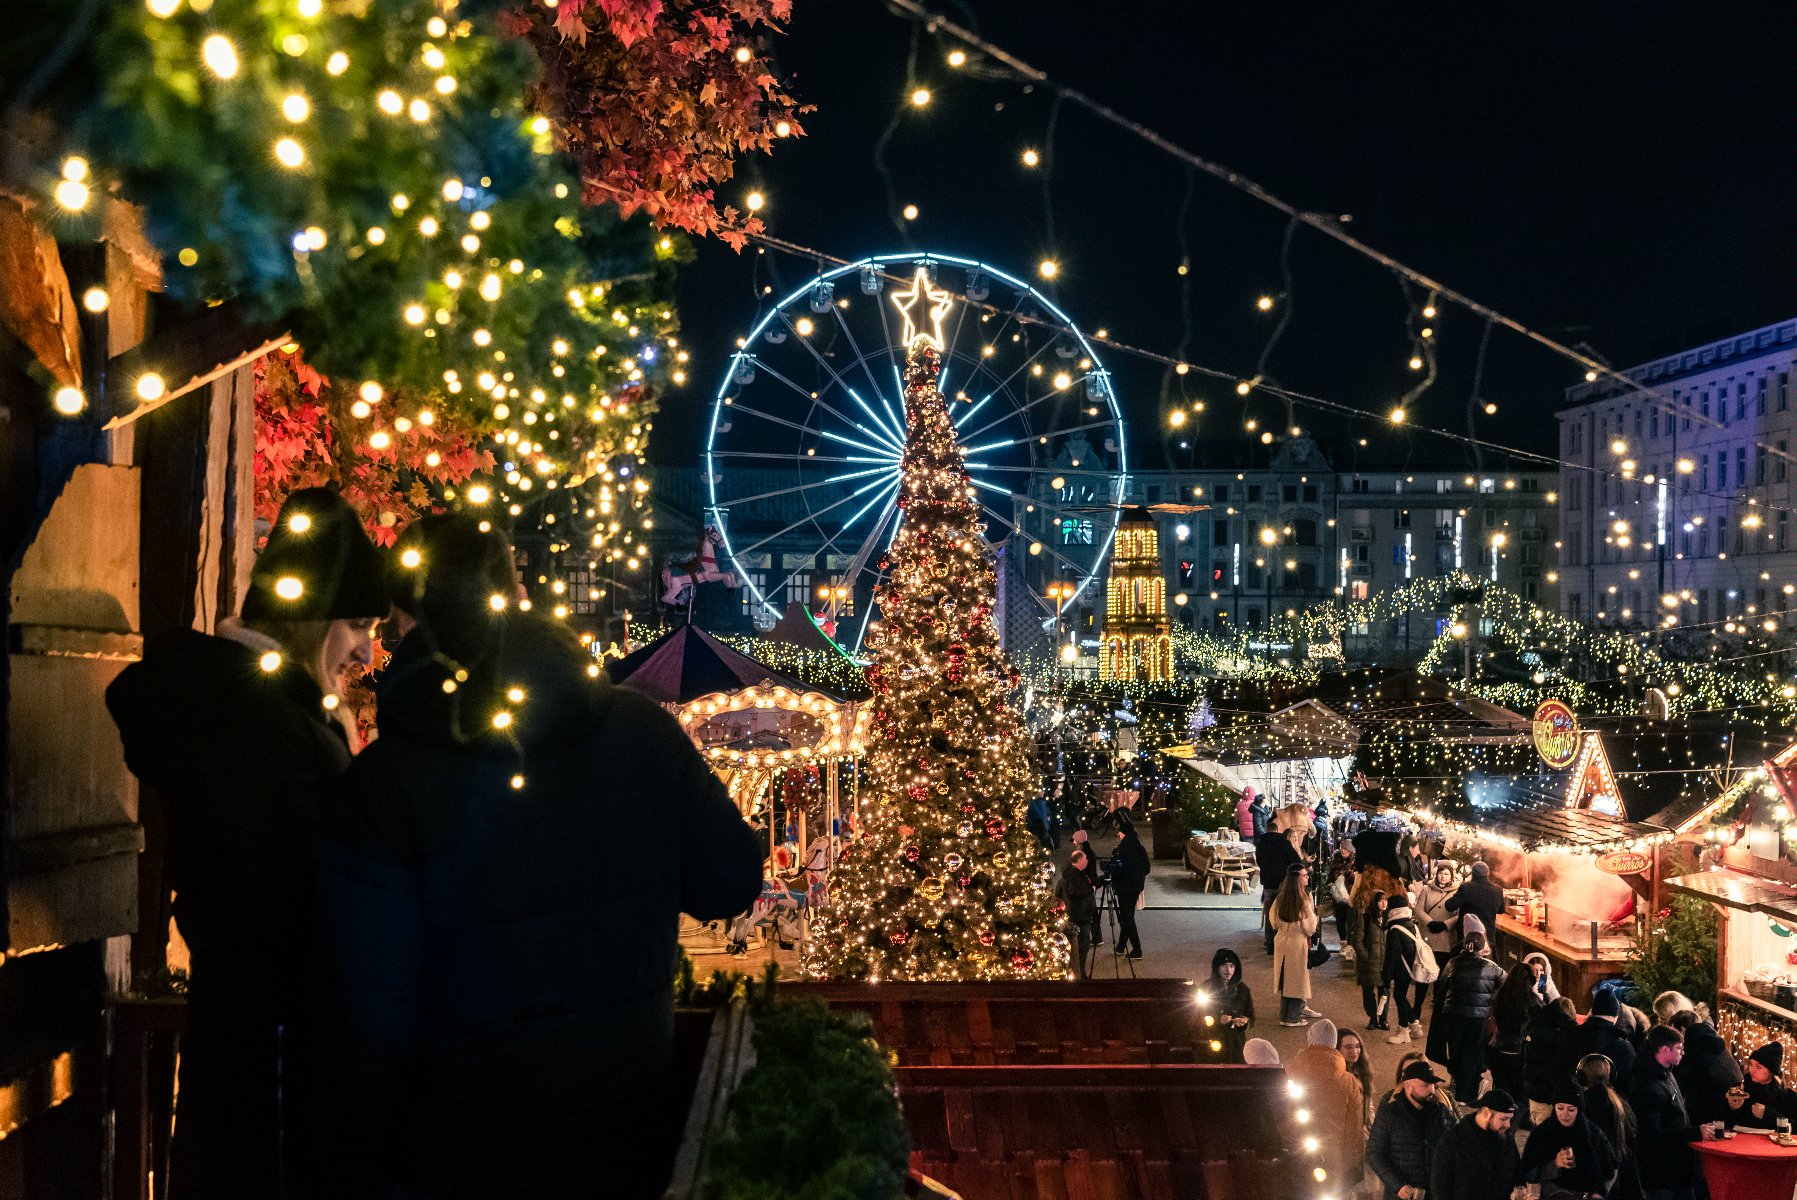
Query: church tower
(1138, 638)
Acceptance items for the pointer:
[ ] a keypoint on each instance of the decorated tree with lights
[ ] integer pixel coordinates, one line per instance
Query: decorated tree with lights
(944, 882)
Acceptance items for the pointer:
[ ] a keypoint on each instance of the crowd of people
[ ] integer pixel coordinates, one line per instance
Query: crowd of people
(1503, 1082)
(408, 972)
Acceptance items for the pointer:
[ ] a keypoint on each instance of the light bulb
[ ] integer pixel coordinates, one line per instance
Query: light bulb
(68, 401)
(220, 56)
(150, 386)
(755, 201)
(71, 194)
(95, 299)
(289, 587)
(290, 153)
(296, 108)
(920, 97)
(1048, 268)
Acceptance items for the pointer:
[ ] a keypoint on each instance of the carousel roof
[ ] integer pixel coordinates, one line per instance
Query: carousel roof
(687, 663)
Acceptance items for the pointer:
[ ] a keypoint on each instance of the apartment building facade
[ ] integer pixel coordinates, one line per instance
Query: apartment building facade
(1682, 486)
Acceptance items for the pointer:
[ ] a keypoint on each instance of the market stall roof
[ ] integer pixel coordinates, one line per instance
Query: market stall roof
(1574, 828)
(1737, 889)
(687, 663)
(798, 627)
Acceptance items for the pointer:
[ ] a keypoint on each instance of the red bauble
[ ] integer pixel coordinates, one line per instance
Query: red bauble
(1022, 959)
(913, 854)
(986, 937)
(918, 792)
(963, 880)
(968, 809)
(995, 827)
(901, 937)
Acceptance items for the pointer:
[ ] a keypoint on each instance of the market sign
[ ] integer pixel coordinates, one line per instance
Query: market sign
(1556, 733)
(1624, 862)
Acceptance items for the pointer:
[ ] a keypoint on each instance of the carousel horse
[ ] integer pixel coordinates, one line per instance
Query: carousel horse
(780, 906)
(679, 578)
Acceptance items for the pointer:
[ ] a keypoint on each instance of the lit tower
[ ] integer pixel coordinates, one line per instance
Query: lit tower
(1138, 638)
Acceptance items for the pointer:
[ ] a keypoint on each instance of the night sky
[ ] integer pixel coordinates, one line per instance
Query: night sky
(1617, 174)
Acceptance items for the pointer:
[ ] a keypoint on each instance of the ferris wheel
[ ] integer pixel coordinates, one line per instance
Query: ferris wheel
(807, 430)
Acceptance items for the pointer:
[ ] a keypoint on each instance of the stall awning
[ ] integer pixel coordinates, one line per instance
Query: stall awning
(1737, 889)
(1567, 828)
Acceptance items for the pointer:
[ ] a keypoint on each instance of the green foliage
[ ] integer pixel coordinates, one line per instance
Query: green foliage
(1678, 953)
(718, 991)
(817, 1116)
(1201, 804)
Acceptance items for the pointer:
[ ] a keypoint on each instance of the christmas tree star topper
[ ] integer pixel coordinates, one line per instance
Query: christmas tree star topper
(939, 303)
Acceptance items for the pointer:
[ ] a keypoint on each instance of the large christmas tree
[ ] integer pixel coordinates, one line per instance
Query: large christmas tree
(944, 882)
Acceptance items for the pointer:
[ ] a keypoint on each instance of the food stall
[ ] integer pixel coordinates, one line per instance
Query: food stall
(1575, 869)
(1749, 872)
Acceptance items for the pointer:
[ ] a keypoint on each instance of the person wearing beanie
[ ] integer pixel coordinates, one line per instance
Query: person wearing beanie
(1407, 1133)
(1336, 1099)
(1664, 1129)
(1259, 1052)
(238, 735)
(1477, 1159)
(1478, 897)
(1599, 1034)
(1406, 954)
(1568, 1155)
(1768, 1098)
(470, 956)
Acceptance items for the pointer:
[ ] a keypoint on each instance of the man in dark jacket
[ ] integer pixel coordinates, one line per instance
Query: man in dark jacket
(1478, 897)
(1472, 981)
(1128, 878)
(1477, 1160)
(1276, 856)
(1075, 891)
(1599, 1035)
(1410, 1122)
(484, 964)
(1665, 1132)
(1708, 1073)
(237, 737)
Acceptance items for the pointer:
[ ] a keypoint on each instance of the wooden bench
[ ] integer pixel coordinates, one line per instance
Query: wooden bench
(1102, 1133)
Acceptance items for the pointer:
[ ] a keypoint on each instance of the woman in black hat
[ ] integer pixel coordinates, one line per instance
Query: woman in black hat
(1566, 1154)
(238, 735)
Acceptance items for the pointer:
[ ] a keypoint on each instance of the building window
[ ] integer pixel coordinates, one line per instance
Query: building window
(1784, 530)
(1154, 493)
(1759, 404)
(1360, 485)
(1289, 493)
(1363, 552)
(1400, 518)
(1310, 493)
(1653, 424)
(1253, 492)
(1357, 590)
(1740, 466)
(1219, 532)
(1741, 399)
(1784, 391)
(1759, 465)
(1704, 408)
(1778, 464)
(1304, 532)
(1076, 531)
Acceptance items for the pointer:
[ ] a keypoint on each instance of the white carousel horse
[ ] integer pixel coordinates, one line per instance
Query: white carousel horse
(679, 578)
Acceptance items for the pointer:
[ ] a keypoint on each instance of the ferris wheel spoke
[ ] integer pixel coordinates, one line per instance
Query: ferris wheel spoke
(780, 533)
(890, 462)
(861, 358)
(868, 612)
(814, 398)
(836, 377)
(868, 409)
(892, 486)
(833, 481)
(887, 453)
(1022, 409)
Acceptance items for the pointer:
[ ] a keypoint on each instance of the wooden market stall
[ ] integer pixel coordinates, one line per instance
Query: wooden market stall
(1748, 871)
(1575, 868)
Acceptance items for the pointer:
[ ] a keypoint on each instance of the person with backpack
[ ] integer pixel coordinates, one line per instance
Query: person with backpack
(1410, 967)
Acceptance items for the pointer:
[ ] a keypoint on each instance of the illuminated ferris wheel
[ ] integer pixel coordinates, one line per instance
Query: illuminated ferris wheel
(807, 430)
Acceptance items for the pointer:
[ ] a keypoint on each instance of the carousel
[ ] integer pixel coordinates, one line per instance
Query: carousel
(787, 752)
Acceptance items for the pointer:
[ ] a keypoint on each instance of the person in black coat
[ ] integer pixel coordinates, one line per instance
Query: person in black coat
(1668, 1165)
(1472, 985)
(1408, 1127)
(1567, 1152)
(1075, 891)
(238, 735)
(1402, 942)
(1613, 1118)
(1128, 877)
(1478, 897)
(1599, 1035)
(1230, 1002)
(1511, 1009)
(1275, 854)
(1768, 1098)
(1708, 1072)
(1477, 1159)
(485, 970)
(1547, 1054)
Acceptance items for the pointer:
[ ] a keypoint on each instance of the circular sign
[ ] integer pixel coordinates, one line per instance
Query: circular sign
(1556, 733)
(1624, 862)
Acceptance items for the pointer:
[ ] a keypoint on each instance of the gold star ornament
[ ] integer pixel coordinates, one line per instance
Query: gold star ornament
(923, 295)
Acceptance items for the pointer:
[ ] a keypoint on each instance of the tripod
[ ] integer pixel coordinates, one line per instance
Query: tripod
(1107, 906)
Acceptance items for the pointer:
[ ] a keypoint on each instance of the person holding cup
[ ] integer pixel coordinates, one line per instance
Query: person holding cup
(1568, 1155)
(1668, 1164)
